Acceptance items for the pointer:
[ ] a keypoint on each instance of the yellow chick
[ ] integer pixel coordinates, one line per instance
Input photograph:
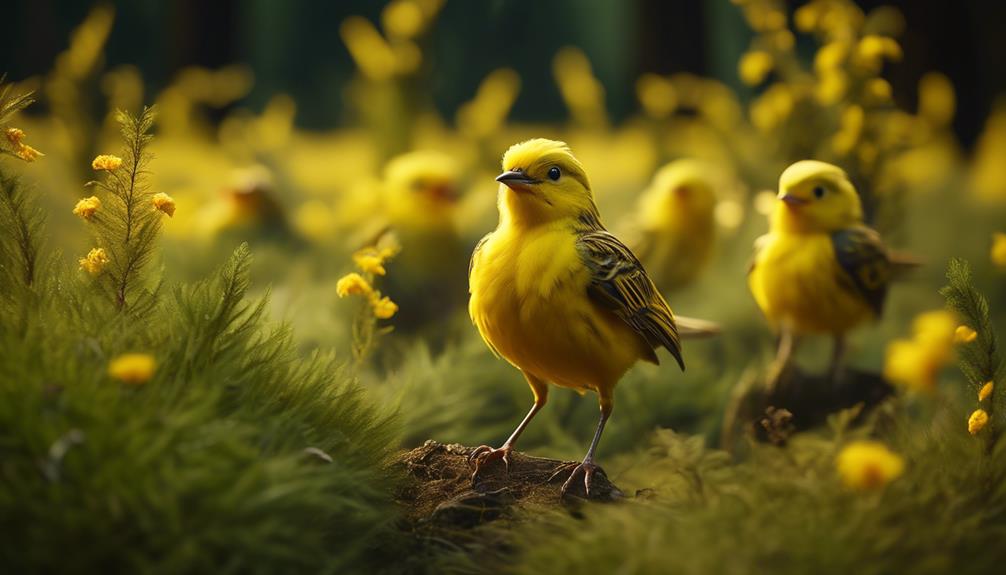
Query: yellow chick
(420, 200)
(819, 270)
(248, 205)
(557, 295)
(674, 222)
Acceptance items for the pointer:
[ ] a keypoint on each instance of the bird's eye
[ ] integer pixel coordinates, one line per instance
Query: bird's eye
(819, 192)
(553, 173)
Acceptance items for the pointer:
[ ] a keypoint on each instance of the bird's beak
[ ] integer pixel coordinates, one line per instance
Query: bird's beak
(515, 179)
(793, 201)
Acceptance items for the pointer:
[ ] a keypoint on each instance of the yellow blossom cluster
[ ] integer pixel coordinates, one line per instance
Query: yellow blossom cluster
(106, 163)
(15, 137)
(914, 363)
(164, 203)
(86, 207)
(868, 465)
(94, 262)
(371, 261)
(132, 368)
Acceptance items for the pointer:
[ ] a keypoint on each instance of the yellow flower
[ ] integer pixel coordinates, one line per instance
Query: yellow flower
(985, 391)
(27, 153)
(106, 162)
(852, 127)
(868, 465)
(132, 368)
(999, 249)
(165, 203)
(831, 87)
(877, 91)
(86, 207)
(383, 307)
(964, 334)
(978, 420)
(402, 19)
(353, 284)
(371, 259)
(94, 262)
(873, 50)
(935, 330)
(754, 66)
(15, 136)
(911, 365)
(830, 56)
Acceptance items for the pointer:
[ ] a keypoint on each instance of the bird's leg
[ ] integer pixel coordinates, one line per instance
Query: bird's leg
(484, 453)
(588, 467)
(787, 342)
(837, 355)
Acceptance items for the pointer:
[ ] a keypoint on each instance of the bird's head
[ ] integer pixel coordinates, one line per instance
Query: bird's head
(816, 197)
(683, 190)
(421, 184)
(542, 181)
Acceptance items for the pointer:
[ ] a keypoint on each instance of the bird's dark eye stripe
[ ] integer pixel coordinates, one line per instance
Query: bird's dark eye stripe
(553, 173)
(819, 192)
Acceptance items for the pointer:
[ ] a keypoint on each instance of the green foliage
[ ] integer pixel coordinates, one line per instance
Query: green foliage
(127, 224)
(978, 360)
(235, 457)
(784, 511)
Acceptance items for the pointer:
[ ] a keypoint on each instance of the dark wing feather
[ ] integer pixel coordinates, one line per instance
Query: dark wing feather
(619, 284)
(866, 266)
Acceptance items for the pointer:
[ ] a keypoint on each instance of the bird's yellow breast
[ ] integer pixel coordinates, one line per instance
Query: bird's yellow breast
(529, 302)
(795, 281)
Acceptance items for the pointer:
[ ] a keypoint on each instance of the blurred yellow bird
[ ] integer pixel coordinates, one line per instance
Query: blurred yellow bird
(558, 296)
(417, 203)
(819, 270)
(674, 224)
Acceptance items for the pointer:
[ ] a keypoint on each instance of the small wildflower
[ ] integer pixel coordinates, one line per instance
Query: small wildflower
(164, 203)
(910, 365)
(754, 66)
(830, 56)
(978, 420)
(106, 162)
(935, 330)
(94, 262)
(877, 91)
(831, 87)
(999, 249)
(353, 284)
(868, 465)
(27, 153)
(371, 260)
(985, 391)
(15, 136)
(383, 307)
(132, 368)
(964, 334)
(86, 207)
(873, 50)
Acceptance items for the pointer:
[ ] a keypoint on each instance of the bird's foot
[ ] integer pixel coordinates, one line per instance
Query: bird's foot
(484, 454)
(587, 469)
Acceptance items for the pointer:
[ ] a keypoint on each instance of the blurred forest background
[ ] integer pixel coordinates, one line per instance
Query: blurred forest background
(230, 400)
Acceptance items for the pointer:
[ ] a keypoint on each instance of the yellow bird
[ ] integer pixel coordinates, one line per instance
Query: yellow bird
(674, 224)
(819, 270)
(557, 295)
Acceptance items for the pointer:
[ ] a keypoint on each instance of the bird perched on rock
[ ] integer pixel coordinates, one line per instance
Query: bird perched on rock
(673, 226)
(557, 295)
(819, 270)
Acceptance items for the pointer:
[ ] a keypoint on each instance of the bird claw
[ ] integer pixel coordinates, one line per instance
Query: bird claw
(587, 468)
(484, 453)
